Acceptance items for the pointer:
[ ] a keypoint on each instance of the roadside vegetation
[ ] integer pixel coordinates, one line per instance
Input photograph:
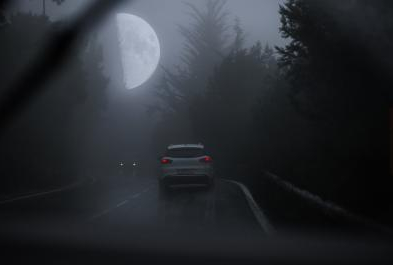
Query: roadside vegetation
(315, 112)
(44, 148)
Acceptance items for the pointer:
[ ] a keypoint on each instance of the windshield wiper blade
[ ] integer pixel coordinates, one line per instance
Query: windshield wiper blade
(51, 58)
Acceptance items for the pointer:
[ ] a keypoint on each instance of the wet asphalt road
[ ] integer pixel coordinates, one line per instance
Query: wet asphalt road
(123, 220)
(134, 202)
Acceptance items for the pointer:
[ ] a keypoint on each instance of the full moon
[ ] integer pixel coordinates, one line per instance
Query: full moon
(140, 49)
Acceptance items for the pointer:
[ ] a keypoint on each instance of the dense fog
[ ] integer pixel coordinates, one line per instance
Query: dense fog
(297, 90)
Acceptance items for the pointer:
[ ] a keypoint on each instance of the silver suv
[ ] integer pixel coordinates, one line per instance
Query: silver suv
(186, 164)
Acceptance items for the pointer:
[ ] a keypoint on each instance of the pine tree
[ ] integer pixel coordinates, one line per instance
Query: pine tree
(206, 44)
(337, 67)
(42, 146)
(208, 39)
(223, 116)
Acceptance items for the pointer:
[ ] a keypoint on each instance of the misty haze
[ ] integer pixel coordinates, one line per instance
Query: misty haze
(196, 132)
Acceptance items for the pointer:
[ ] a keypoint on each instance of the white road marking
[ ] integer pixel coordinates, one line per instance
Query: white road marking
(100, 214)
(136, 195)
(39, 194)
(107, 211)
(257, 211)
(122, 203)
(140, 193)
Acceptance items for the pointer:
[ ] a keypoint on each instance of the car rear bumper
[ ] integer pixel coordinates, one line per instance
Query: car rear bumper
(171, 180)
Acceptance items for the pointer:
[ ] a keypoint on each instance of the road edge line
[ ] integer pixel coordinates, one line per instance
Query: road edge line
(330, 208)
(39, 194)
(257, 211)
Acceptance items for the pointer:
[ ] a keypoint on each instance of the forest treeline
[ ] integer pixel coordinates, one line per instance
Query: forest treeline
(45, 147)
(315, 112)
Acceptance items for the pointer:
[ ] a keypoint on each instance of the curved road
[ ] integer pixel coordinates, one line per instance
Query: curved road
(135, 202)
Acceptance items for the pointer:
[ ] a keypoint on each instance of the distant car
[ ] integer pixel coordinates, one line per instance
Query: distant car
(186, 164)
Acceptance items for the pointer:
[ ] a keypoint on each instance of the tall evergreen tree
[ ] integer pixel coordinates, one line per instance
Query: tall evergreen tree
(207, 40)
(223, 116)
(206, 43)
(42, 146)
(335, 62)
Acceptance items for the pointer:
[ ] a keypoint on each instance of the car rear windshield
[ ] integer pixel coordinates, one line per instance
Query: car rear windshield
(185, 152)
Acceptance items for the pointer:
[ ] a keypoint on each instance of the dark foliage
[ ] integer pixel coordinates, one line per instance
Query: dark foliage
(205, 46)
(41, 148)
(319, 120)
(338, 63)
(223, 116)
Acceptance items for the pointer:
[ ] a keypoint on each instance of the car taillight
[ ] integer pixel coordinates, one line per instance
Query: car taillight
(165, 161)
(206, 159)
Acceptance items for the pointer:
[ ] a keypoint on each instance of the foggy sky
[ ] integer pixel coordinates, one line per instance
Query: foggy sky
(259, 18)
(129, 127)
